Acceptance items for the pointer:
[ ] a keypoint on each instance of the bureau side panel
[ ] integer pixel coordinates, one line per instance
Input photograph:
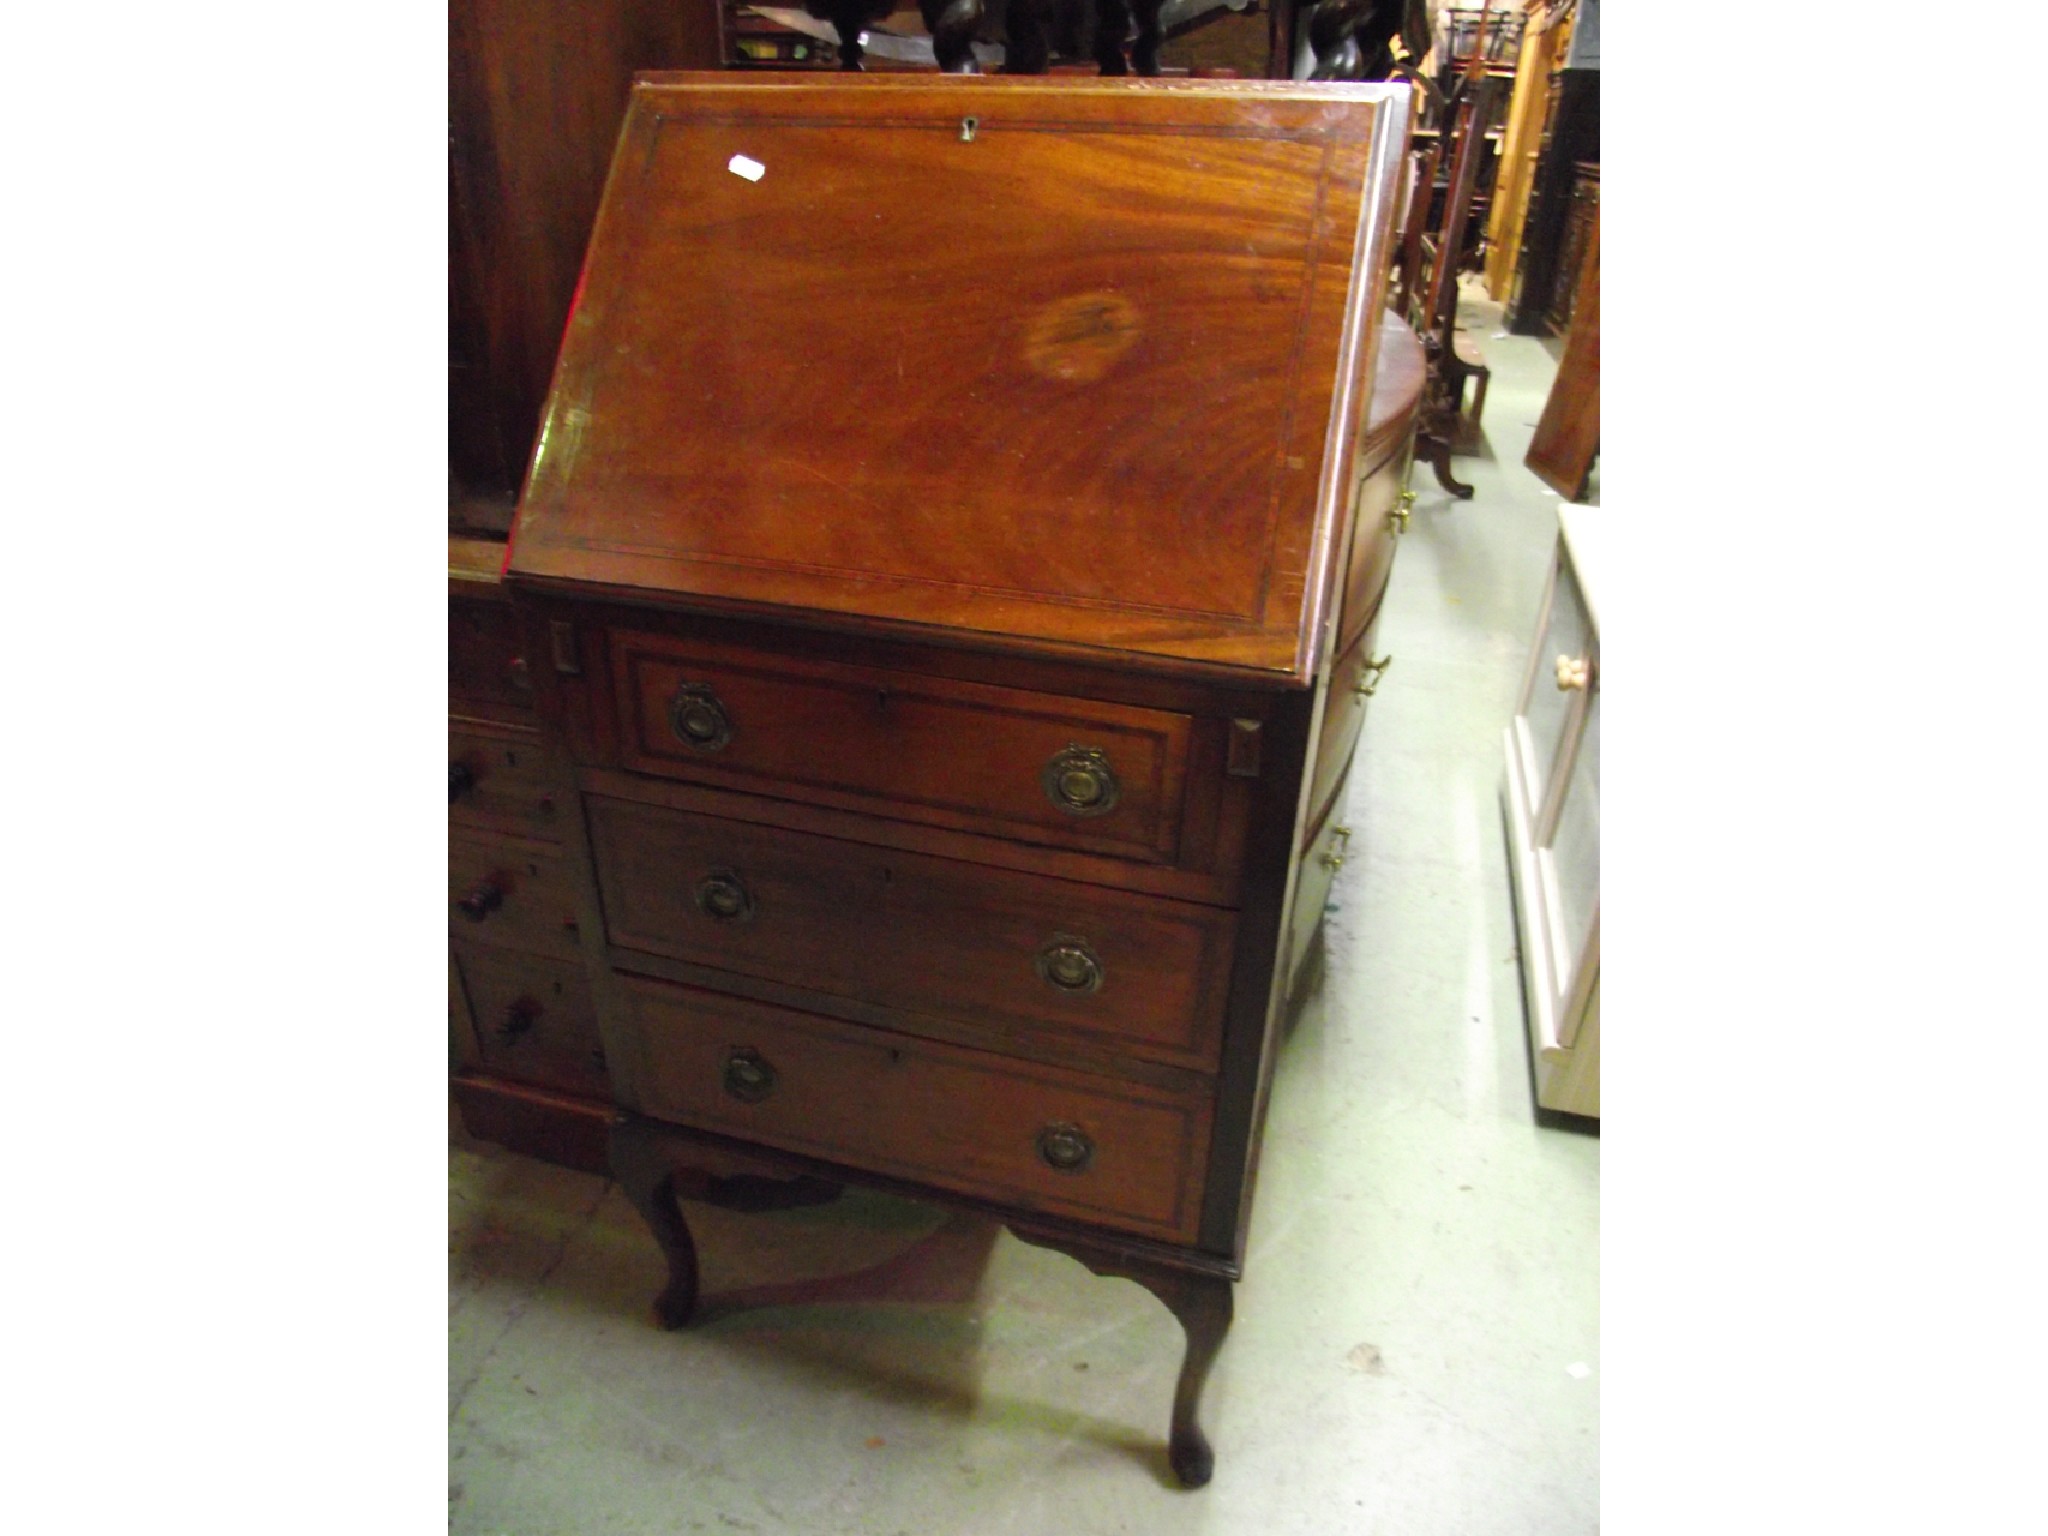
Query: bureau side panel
(1252, 1008)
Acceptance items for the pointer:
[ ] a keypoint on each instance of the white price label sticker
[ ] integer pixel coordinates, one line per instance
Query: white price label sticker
(747, 166)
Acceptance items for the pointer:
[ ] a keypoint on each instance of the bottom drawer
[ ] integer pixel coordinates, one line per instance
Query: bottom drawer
(1116, 1154)
(534, 1019)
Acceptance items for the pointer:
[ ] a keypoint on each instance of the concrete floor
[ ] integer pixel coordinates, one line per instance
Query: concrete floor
(1417, 1340)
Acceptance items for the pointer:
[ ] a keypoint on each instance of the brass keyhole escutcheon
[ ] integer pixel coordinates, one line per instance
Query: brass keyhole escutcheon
(1069, 964)
(698, 718)
(747, 1075)
(1066, 1148)
(1080, 782)
(724, 897)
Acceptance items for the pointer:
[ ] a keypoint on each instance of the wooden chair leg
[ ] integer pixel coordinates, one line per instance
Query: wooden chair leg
(1203, 1305)
(1436, 448)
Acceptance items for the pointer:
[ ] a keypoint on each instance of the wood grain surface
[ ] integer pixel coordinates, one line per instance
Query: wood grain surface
(1089, 368)
(954, 1118)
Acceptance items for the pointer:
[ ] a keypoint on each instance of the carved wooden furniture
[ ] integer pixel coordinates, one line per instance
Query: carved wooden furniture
(1581, 217)
(1571, 137)
(1544, 41)
(949, 567)
(1432, 264)
(1567, 436)
(1551, 798)
(528, 1065)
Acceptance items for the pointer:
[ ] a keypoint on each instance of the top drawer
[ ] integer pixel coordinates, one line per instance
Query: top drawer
(484, 662)
(1071, 773)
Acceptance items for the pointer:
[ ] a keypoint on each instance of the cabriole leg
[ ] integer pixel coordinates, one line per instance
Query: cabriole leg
(1202, 1304)
(640, 1162)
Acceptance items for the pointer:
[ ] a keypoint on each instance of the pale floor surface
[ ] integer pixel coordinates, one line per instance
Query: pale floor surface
(1416, 1348)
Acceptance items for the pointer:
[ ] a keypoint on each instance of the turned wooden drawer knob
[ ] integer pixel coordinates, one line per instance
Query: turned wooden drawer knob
(482, 901)
(460, 781)
(722, 897)
(748, 1076)
(1078, 780)
(698, 719)
(1069, 964)
(1066, 1148)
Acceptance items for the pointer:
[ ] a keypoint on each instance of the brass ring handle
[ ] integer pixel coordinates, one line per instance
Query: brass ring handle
(1080, 782)
(1066, 1148)
(1069, 964)
(698, 719)
(1369, 680)
(723, 897)
(1336, 857)
(1573, 673)
(747, 1075)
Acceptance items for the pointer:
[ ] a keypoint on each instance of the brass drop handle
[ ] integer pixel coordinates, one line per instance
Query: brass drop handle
(1369, 680)
(519, 1019)
(1335, 859)
(1066, 1148)
(460, 781)
(748, 1076)
(698, 718)
(487, 896)
(1080, 782)
(1573, 673)
(1069, 964)
(1398, 518)
(723, 897)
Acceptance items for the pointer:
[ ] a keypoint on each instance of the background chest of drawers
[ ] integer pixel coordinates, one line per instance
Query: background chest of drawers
(528, 1065)
(955, 676)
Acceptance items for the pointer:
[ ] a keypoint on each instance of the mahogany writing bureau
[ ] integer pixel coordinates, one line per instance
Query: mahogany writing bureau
(940, 550)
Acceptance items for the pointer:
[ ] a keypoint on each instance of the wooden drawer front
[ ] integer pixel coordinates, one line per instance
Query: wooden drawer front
(897, 744)
(1343, 718)
(484, 654)
(923, 935)
(1372, 549)
(535, 1022)
(919, 1110)
(535, 905)
(507, 782)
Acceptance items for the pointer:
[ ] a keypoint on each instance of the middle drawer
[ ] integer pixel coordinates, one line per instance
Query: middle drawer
(993, 949)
